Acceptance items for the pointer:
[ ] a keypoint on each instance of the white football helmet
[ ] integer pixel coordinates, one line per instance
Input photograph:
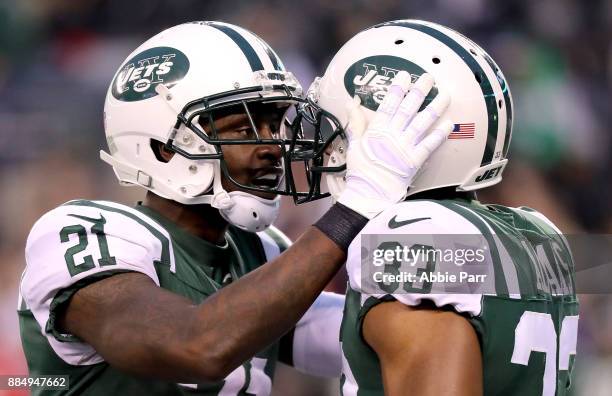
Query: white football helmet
(188, 72)
(481, 105)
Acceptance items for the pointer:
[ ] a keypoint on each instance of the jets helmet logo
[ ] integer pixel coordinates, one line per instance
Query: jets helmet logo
(369, 78)
(137, 79)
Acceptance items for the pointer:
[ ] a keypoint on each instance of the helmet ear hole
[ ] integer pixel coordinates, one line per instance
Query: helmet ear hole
(160, 152)
(435, 60)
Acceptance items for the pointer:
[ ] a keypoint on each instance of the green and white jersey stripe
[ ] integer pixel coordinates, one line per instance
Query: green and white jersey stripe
(82, 241)
(526, 317)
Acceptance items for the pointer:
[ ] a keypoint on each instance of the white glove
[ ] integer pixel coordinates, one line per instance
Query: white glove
(383, 160)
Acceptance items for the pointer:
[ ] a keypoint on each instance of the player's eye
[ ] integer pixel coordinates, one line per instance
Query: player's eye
(245, 131)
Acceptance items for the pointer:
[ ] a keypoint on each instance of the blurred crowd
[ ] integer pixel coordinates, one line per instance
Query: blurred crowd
(57, 58)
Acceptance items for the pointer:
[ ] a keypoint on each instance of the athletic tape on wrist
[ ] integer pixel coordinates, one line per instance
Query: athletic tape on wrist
(341, 225)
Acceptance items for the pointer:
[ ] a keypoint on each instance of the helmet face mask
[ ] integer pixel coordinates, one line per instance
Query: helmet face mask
(481, 104)
(297, 147)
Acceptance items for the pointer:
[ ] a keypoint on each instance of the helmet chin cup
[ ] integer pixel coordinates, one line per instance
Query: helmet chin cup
(250, 212)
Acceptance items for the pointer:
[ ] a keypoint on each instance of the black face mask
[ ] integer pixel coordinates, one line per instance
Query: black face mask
(304, 134)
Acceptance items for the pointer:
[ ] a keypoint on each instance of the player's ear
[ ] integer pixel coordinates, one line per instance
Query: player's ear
(160, 151)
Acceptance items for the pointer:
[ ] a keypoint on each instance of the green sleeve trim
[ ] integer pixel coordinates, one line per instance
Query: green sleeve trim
(62, 298)
(501, 287)
(369, 303)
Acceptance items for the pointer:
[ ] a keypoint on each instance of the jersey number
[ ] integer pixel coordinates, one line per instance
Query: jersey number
(88, 262)
(536, 332)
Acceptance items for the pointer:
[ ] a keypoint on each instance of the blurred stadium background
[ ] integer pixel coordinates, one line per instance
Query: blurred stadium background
(57, 58)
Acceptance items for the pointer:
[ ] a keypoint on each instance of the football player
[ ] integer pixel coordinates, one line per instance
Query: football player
(513, 330)
(170, 296)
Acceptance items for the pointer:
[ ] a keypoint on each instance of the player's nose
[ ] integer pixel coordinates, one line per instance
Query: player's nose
(272, 152)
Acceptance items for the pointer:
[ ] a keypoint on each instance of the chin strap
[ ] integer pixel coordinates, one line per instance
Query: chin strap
(220, 198)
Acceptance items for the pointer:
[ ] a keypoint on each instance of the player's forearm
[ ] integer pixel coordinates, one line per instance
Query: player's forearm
(245, 317)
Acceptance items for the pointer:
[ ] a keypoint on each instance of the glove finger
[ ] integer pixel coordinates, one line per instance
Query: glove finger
(431, 142)
(393, 98)
(356, 119)
(411, 103)
(421, 123)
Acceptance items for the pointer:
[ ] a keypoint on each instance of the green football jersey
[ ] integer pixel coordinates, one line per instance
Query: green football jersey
(525, 311)
(81, 242)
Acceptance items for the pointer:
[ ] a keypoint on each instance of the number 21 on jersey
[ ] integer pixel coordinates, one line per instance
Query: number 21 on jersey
(88, 263)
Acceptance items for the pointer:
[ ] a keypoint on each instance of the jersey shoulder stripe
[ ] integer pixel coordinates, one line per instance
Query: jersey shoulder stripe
(539, 219)
(506, 278)
(161, 235)
(523, 237)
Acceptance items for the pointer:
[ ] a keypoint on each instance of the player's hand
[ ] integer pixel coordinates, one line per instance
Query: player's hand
(383, 158)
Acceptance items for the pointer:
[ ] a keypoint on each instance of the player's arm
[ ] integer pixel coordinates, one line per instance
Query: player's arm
(424, 350)
(138, 327)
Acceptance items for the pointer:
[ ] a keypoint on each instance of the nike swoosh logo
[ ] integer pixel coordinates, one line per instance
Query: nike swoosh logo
(397, 224)
(101, 220)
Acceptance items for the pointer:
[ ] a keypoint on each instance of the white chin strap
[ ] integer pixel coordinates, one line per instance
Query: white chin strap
(243, 210)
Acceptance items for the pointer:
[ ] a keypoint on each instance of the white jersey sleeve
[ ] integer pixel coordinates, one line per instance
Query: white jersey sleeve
(316, 343)
(427, 224)
(77, 244)
(315, 348)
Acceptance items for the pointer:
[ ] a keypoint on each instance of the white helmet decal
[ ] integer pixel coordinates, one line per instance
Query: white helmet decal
(369, 78)
(137, 79)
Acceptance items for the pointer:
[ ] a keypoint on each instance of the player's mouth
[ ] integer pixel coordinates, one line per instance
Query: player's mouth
(268, 178)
